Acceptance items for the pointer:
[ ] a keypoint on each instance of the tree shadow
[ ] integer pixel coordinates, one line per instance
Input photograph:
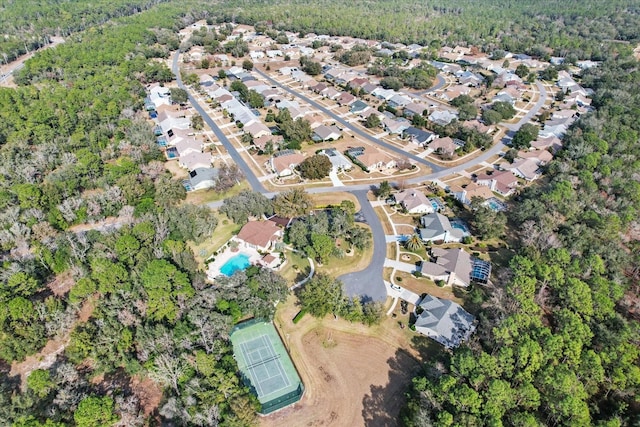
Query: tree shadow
(382, 406)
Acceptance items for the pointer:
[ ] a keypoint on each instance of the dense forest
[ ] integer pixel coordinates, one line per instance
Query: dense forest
(29, 25)
(557, 342)
(570, 28)
(128, 299)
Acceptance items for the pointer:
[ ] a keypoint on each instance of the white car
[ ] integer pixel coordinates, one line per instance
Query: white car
(396, 287)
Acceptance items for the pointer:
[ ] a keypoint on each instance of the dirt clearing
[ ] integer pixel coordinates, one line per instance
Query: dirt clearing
(353, 375)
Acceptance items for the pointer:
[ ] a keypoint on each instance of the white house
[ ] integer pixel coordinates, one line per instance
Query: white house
(437, 227)
(414, 201)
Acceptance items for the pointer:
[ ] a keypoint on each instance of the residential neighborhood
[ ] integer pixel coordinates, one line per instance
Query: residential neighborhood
(276, 213)
(369, 133)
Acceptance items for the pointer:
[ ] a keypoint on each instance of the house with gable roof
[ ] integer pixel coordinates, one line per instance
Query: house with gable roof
(260, 235)
(414, 201)
(444, 321)
(455, 267)
(437, 227)
(502, 182)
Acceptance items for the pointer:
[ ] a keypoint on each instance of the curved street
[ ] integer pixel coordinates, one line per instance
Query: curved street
(368, 283)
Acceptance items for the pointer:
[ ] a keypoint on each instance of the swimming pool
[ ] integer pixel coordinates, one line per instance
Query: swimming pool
(436, 204)
(496, 205)
(236, 263)
(460, 225)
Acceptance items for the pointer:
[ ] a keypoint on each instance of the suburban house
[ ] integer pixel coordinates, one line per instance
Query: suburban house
(330, 92)
(187, 146)
(466, 194)
(414, 201)
(419, 136)
(202, 178)
(358, 82)
(468, 78)
(453, 92)
(395, 127)
(326, 133)
(284, 162)
(528, 169)
(382, 93)
(172, 120)
(260, 235)
(195, 160)
(437, 227)
(444, 321)
(502, 182)
(338, 161)
(442, 117)
(542, 156)
(444, 146)
(455, 267)
(159, 95)
(319, 88)
(257, 129)
(552, 143)
(261, 143)
(374, 159)
(358, 107)
(346, 98)
(399, 101)
(413, 108)
(478, 126)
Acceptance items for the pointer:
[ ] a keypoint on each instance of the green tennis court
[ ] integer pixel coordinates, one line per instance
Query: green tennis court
(265, 365)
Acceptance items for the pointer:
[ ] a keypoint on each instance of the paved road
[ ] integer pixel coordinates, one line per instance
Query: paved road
(495, 149)
(368, 283)
(256, 185)
(355, 129)
(439, 85)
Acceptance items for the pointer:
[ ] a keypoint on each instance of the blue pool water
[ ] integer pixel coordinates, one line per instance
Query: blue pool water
(236, 263)
(496, 205)
(456, 223)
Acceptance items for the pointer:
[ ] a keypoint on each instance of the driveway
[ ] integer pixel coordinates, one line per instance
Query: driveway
(333, 175)
(354, 129)
(399, 265)
(256, 185)
(368, 283)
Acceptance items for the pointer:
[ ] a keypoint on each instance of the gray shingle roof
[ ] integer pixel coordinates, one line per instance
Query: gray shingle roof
(444, 321)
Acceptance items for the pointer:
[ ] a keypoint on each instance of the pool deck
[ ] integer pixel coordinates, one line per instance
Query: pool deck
(213, 270)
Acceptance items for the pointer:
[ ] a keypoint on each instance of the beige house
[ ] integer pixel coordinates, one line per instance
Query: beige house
(260, 235)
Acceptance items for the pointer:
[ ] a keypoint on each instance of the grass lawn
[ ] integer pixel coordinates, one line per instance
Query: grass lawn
(207, 196)
(337, 267)
(222, 233)
(423, 285)
(292, 274)
(391, 250)
(384, 220)
(422, 252)
(327, 199)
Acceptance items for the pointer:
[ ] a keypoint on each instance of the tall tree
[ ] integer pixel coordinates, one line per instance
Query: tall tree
(292, 203)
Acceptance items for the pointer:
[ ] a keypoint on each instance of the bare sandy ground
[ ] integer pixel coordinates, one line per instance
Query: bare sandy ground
(353, 375)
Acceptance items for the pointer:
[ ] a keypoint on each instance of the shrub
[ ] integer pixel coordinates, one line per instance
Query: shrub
(398, 279)
(417, 274)
(299, 316)
(440, 283)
